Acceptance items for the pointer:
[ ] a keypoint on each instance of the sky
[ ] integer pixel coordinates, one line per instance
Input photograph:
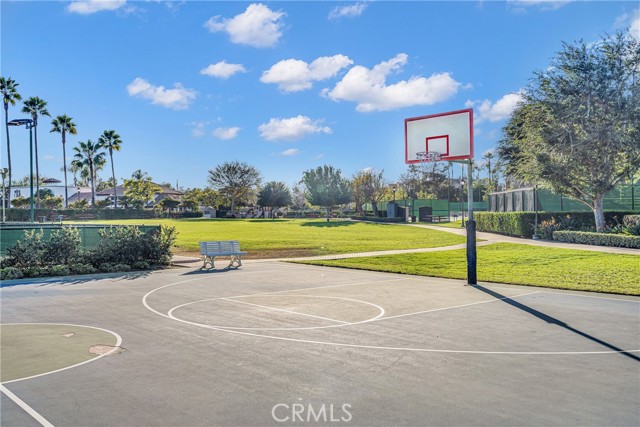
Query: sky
(283, 86)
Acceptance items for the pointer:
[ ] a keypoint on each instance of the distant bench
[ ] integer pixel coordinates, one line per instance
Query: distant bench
(84, 216)
(230, 248)
(434, 218)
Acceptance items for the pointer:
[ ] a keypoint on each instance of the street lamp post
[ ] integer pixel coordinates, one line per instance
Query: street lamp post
(4, 172)
(28, 123)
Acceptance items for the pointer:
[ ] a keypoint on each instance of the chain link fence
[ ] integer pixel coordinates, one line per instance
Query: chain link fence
(89, 233)
(622, 198)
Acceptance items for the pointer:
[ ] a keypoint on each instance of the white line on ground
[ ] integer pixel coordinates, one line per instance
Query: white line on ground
(28, 409)
(285, 311)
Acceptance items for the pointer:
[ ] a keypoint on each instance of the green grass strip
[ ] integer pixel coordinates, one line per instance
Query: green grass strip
(517, 264)
(268, 238)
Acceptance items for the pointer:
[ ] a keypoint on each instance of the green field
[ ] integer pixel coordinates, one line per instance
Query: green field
(266, 238)
(517, 264)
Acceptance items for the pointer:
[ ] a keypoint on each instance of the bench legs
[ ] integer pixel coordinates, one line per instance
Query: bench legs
(234, 261)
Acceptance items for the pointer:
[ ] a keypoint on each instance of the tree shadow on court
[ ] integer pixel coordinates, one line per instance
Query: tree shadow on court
(325, 224)
(205, 271)
(75, 280)
(554, 321)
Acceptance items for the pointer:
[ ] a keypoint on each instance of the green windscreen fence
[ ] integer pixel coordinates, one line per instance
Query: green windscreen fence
(89, 233)
(621, 198)
(438, 206)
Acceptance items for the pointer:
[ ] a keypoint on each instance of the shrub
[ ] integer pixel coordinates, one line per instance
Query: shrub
(194, 214)
(35, 271)
(108, 267)
(63, 247)
(81, 268)
(568, 222)
(9, 273)
(522, 224)
(60, 270)
(128, 245)
(27, 252)
(140, 265)
(601, 239)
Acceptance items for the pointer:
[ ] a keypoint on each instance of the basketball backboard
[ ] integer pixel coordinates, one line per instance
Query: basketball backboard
(449, 134)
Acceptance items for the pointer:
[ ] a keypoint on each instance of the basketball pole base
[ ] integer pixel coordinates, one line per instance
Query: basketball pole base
(472, 258)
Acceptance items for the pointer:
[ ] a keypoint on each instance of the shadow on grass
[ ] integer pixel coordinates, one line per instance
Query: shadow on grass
(325, 224)
(268, 220)
(552, 320)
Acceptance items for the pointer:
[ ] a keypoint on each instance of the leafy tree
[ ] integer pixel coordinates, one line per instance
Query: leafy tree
(36, 107)
(326, 187)
(235, 180)
(167, 204)
(488, 156)
(430, 182)
(139, 189)
(105, 184)
(21, 201)
(204, 197)
(79, 204)
(63, 124)
(90, 155)
(275, 195)
(370, 186)
(299, 199)
(578, 129)
(10, 95)
(111, 141)
(190, 204)
(51, 202)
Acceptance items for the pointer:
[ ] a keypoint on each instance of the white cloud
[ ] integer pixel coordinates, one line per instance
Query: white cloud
(292, 75)
(290, 152)
(198, 128)
(347, 11)
(291, 128)
(177, 98)
(87, 7)
(500, 110)
(222, 70)
(258, 26)
(630, 20)
(369, 89)
(226, 133)
(48, 157)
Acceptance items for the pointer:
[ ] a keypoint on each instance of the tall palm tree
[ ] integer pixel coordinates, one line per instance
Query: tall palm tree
(36, 107)
(89, 154)
(111, 140)
(62, 125)
(487, 157)
(9, 96)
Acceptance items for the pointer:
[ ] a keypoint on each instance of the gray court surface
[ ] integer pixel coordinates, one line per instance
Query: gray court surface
(283, 344)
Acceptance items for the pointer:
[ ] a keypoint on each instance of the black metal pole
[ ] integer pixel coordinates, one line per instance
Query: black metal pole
(472, 258)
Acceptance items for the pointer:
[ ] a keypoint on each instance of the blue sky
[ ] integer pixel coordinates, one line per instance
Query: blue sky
(283, 86)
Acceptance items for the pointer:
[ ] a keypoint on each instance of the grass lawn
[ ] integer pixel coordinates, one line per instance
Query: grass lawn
(266, 238)
(517, 264)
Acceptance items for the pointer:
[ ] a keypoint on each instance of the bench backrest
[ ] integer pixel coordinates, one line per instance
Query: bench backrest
(223, 246)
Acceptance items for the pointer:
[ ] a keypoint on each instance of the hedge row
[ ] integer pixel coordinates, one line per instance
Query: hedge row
(23, 215)
(600, 239)
(522, 224)
(377, 219)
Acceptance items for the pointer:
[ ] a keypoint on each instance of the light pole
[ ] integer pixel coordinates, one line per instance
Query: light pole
(461, 201)
(4, 172)
(28, 123)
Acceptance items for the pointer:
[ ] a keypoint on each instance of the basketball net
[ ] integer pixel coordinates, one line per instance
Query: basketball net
(426, 157)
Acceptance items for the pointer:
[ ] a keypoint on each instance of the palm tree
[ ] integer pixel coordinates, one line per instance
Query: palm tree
(89, 154)
(36, 107)
(487, 157)
(62, 125)
(9, 96)
(111, 140)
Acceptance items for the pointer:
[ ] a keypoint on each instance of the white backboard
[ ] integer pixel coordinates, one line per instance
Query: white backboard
(450, 134)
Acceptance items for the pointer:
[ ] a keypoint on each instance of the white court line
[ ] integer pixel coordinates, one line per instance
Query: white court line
(457, 306)
(373, 347)
(381, 313)
(28, 409)
(117, 344)
(285, 311)
(550, 292)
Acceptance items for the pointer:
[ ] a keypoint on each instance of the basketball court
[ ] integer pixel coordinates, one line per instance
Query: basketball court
(272, 343)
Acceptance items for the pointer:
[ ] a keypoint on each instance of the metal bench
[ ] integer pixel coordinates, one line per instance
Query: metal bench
(230, 248)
